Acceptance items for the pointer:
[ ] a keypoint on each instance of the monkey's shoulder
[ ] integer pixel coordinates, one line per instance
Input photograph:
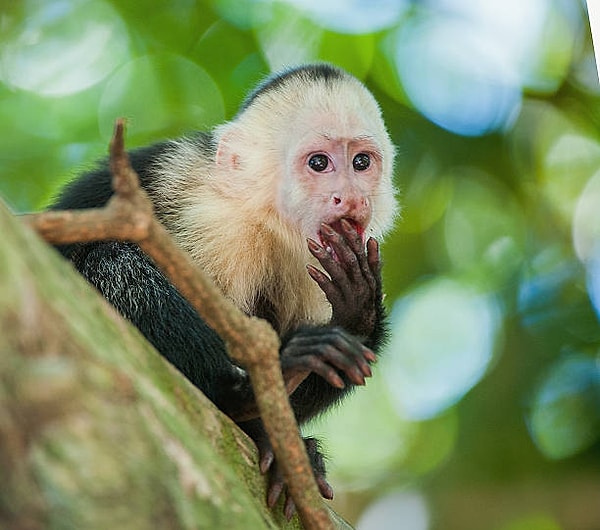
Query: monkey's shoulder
(93, 188)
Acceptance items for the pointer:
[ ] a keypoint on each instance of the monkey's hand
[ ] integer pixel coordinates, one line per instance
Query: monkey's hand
(353, 286)
(329, 352)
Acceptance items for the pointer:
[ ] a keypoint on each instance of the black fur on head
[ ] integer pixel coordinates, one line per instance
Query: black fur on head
(305, 73)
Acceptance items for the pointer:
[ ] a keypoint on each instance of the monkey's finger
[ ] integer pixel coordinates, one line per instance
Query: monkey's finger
(318, 276)
(312, 363)
(276, 486)
(373, 274)
(320, 359)
(328, 262)
(331, 290)
(314, 339)
(324, 487)
(374, 257)
(355, 367)
(347, 343)
(320, 343)
(289, 509)
(351, 255)
(353, 238)
(266, 459)
(346, 256)
(345, 355)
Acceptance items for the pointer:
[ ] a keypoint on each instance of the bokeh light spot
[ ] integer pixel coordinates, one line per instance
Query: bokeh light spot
(64, 47)
(366, 436)
(568, 164)
(483, 226)
(593, 279)
(465, 64)
(467, 93)
(400, 509)
(565, 411)
(586, 220)
(289, 38)
(136, 92)
(545, 280)
(443, 337)
(351, 16)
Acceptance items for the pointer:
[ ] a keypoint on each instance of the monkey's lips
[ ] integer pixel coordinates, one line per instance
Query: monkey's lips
(337, 227)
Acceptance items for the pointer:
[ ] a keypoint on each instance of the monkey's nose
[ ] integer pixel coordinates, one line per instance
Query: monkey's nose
(349, 203)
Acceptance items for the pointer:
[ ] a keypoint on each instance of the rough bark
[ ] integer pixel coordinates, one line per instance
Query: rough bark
(97, 430)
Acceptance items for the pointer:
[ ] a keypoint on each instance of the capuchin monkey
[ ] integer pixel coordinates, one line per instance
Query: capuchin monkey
(282, 207)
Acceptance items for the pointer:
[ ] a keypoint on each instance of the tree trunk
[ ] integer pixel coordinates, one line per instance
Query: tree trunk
(97, 430)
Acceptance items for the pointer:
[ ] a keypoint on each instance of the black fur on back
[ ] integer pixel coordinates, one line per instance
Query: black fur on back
(94, 188)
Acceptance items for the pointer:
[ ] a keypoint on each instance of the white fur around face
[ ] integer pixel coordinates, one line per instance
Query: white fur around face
(244, 214)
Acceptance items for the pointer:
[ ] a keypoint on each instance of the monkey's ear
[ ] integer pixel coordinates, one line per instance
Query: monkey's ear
(228, 155)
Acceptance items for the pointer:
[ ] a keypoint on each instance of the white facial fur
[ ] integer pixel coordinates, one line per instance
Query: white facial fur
(244, 217)
(270, 144)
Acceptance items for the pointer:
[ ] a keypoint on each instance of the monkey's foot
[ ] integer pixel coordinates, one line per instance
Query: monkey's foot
(276, 482)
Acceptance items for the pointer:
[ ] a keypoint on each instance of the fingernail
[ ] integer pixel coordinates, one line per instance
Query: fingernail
(346, 225)
(326, 491)
(360, 378)
(274, 494)
(290, 510)
(266, 462)
(313, 245)
(370, 356)
(313, 272)
(337, 382)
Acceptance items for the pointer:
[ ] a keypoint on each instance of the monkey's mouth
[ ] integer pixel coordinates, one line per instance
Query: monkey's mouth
(337, 227)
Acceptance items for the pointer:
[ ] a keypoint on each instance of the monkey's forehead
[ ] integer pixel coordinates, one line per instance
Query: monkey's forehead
(317, 128)
(344, 112)
(337, 121)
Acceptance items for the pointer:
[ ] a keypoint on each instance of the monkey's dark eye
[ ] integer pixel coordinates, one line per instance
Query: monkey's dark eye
(361, 162)
(318, 163)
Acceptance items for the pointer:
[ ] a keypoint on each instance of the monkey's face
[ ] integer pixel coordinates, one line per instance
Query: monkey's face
(331, 176)
(316, 152)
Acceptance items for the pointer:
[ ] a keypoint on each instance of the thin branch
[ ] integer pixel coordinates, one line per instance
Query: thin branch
(128, 216)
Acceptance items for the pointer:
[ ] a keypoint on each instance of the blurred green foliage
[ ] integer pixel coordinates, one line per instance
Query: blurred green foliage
(486, 409)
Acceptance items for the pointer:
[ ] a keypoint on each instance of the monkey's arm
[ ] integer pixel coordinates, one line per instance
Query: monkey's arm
(324, 363)
(358, 330)
(129, 280)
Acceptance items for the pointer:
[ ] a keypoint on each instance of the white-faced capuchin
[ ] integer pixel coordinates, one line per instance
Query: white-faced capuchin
(282, 207)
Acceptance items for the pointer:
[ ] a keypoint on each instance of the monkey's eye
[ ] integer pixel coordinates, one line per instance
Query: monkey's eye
(318, 163)
(361, 162)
